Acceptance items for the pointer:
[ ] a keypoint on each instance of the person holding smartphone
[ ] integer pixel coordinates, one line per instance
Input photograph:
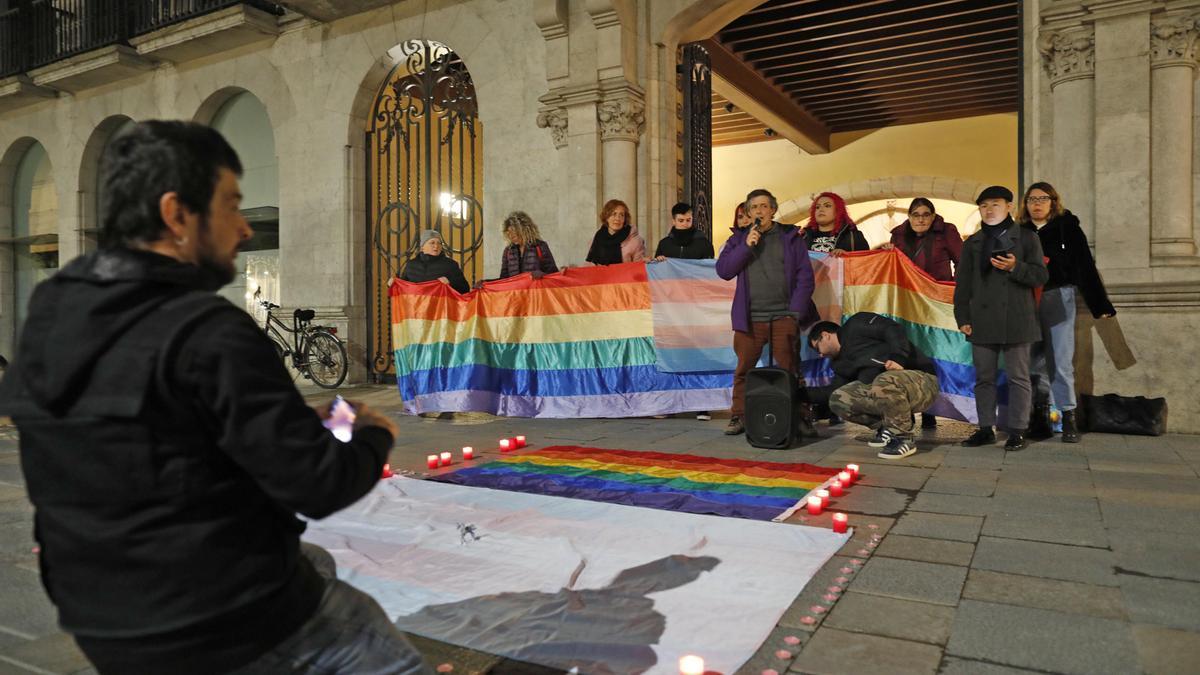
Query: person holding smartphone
(995, 308)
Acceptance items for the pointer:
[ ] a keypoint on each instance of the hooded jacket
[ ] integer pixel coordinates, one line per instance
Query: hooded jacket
(941, 245)
(736, 256)
(1071, 263)
(424, 267)
(687, 244)
(166, 452)
(868, 341)
(633, 247)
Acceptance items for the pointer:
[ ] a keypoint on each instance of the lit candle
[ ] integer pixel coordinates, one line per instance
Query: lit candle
(839, 522)
(835, 489)
(853, 469)
(432, 461)
(446, 459)
(387, 471)
(691, 665)
(506, 444)
(824, 495)
(815, 505)
(468, 453)
(520, 441)
(846, 477)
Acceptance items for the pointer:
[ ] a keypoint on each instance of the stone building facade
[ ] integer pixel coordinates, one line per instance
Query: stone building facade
(578, 103)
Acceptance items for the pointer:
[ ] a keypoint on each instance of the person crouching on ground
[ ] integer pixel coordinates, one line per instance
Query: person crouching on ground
(432, 264)
(994, 307)
(617, 241)
(684, 242)
(774, 278)
(880, 378)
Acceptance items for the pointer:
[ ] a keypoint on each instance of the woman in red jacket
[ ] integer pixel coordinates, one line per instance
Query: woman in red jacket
(930, 242)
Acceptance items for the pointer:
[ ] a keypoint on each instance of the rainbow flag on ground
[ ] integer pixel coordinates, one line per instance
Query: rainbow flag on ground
(689, 483)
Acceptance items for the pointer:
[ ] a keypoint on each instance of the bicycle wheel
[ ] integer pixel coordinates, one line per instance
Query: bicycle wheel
(325, 359)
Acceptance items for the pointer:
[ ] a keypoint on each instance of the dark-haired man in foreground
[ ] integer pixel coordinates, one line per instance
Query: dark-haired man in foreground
(880, 378)
(167, 452)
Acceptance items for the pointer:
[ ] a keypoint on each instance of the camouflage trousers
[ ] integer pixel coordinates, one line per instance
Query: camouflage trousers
(891, 398)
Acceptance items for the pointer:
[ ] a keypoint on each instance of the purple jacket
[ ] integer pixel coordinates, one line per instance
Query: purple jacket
(736, 256)
(536, 257)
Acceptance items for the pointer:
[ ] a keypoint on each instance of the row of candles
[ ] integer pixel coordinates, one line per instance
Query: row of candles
(819, 500)
(468, 453)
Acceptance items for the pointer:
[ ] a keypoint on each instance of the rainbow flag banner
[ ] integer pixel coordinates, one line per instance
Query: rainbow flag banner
(635, 340)
(578, 343)
(688, 483)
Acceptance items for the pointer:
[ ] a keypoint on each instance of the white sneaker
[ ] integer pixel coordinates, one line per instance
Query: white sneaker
(703, 416)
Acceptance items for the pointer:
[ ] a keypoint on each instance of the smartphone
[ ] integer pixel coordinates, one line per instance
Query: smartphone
(341, 419)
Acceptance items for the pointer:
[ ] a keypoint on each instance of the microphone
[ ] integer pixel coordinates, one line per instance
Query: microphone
(757, 222)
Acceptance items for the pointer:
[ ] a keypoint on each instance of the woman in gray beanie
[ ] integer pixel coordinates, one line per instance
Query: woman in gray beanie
(432, 264)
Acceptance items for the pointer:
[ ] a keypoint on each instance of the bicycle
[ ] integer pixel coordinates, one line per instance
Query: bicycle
(315, 351)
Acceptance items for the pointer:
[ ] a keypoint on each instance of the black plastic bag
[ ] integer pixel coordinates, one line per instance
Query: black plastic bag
(1116, 414)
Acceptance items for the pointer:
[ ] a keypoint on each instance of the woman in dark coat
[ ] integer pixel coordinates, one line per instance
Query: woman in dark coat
(526, 252)
(930, 242)
(432, 264)
(1072, 273)
(617, 240)
(829, 228)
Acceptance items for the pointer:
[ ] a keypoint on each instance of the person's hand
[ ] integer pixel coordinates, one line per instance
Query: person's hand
(892, 365)
(966, 329)
(659, 258)
(753, 237)
(444, 280)
(837, 252)
(887, 246)
(369, 418)
(1108, 315)
(1005, 262)
(537, 274)
(392, 280)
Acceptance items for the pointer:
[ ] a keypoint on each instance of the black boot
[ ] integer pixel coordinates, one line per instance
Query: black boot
(1039, 423)
(1070, 427)
(982, 436)
(1016, 442)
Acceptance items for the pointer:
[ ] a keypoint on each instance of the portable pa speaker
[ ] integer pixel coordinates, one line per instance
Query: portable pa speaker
(770, 408)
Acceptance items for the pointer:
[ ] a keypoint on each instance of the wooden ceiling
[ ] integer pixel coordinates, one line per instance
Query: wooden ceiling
(876, 63)
(733, 126)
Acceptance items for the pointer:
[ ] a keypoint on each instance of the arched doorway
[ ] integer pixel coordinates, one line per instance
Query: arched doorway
(242, 119)
(424, 146)
(34, 221)
(89, 177)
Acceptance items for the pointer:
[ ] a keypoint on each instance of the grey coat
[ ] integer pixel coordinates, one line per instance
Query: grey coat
(999, 305)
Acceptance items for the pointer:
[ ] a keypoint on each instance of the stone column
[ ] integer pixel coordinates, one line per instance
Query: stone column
(622, 119)
(1069, 58)
(1173, 65)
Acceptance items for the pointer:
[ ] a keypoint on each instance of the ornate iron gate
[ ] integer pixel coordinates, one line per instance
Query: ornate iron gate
(424, 172)
(696, 84)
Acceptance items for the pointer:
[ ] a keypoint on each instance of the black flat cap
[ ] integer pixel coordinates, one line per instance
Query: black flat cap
(995, 192)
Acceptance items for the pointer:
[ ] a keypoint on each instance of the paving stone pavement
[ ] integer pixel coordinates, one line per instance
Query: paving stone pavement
(1058, 559)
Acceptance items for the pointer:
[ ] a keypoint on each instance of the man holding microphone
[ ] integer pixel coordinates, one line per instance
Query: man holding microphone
(774, 278)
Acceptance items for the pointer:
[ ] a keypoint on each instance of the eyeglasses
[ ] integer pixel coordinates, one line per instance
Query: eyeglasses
(1038, 200)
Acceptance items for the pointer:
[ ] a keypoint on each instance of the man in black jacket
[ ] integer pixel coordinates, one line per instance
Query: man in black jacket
(880, 378)
(683, 241)
(167, 452)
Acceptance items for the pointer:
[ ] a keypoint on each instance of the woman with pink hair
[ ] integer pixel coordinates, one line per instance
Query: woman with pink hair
(829, 228)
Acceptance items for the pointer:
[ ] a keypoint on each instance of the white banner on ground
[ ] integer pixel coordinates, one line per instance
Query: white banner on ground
(572, 583)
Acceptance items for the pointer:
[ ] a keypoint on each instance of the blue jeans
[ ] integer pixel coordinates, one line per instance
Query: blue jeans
(348, 634)
(1054, 358)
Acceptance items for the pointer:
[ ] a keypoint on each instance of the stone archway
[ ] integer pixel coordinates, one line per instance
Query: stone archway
(89, 178)
(890, 187)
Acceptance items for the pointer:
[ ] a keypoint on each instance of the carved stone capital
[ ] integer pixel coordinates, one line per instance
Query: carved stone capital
(1173, 41)
(554, 119)
(621, 118)
(1068, 54)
